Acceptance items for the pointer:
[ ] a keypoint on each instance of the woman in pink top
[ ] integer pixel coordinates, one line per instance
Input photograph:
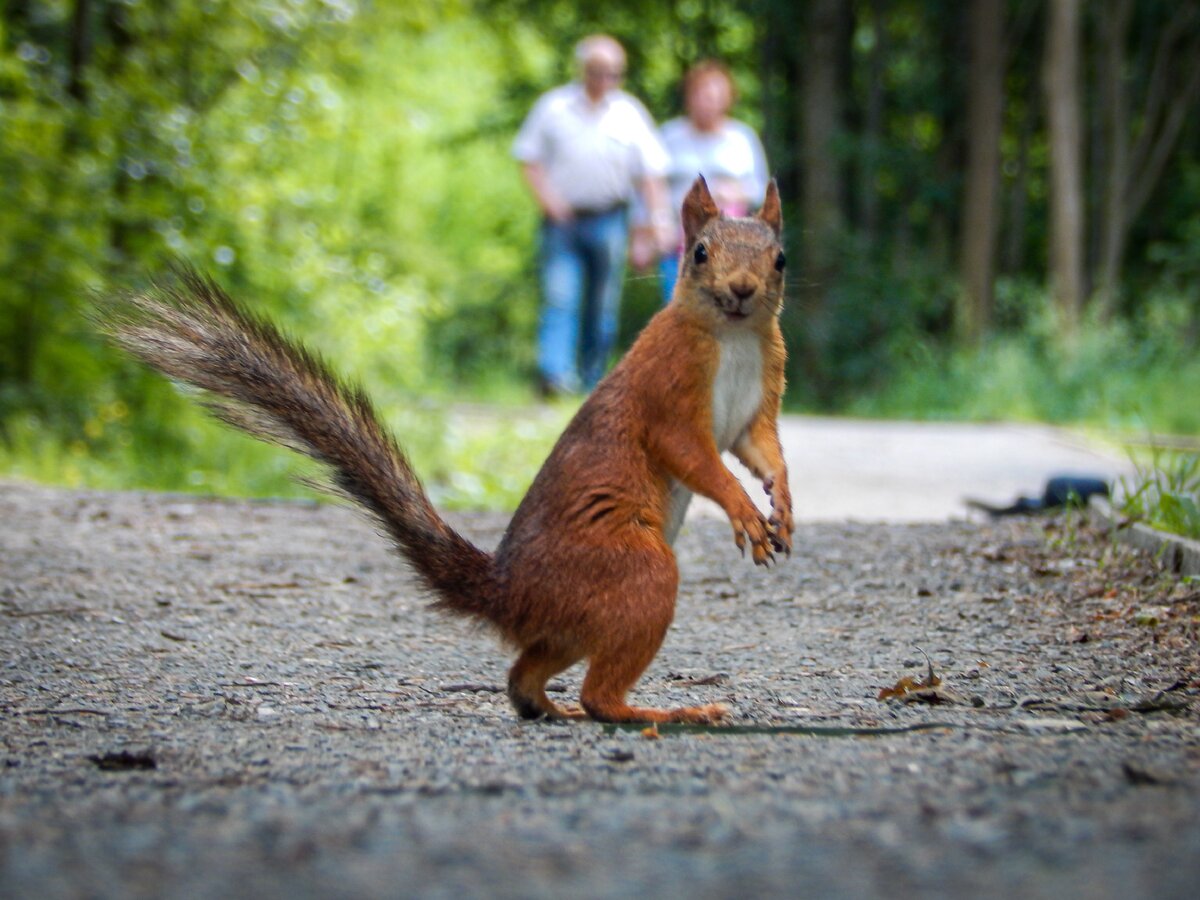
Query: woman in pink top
(706, 141)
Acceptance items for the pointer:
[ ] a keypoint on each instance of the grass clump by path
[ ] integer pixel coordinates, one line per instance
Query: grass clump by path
(1165, 493)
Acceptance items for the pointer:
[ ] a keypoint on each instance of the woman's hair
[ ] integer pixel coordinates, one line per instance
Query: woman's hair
(706, 68)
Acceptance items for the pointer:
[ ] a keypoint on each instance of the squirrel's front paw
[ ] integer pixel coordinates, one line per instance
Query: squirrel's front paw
(755, 530)
(781, 526)
(781, 523)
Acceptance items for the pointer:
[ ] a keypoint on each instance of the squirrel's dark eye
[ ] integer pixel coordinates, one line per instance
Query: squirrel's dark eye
(700, 254)
(780, 262)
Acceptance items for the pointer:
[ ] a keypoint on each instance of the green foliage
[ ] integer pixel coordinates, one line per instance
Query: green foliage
(344, 167)
(1121, 374)
(490, 455)
(1165, 493)
(195, 456)
(881, 316)
(325, 159)
(1174, 249)
(471, 462)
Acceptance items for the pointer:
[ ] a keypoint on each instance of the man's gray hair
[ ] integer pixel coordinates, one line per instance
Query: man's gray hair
(598, 44)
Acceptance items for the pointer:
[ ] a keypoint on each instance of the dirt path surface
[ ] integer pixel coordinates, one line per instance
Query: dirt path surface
(207, 698)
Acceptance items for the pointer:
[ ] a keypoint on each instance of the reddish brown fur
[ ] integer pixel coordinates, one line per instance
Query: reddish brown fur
(598, 507)
(585, 570)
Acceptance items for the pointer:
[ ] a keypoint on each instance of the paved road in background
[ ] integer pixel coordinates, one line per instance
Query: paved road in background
(885, 471)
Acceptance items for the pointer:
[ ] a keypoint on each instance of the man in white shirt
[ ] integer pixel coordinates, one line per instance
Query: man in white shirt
(585, 149)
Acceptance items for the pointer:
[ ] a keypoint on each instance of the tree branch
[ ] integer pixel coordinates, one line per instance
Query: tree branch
(1145, 176)
(1160, 83)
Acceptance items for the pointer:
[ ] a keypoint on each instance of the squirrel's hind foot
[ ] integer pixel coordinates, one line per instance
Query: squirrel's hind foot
(710, 714)
(566, 711)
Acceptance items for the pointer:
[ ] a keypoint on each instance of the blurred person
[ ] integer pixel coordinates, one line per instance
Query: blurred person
(586, 149)
(705, 141)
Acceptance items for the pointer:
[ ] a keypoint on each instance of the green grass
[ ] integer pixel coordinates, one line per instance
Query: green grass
(200, 458)
(1165, 493)
(468, 460)
(1121, 377)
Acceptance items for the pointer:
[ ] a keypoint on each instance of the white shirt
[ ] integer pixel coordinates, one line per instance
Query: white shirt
(593, 153)
(731, 159)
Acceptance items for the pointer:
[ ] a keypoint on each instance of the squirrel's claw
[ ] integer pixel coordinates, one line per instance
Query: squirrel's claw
(757, 532)
(781, 526)
(780, 534)
(763, 556)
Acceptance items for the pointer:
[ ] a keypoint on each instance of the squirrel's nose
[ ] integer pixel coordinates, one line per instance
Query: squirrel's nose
(743, 289)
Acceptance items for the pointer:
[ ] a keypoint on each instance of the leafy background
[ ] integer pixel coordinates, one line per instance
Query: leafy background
(344, 166)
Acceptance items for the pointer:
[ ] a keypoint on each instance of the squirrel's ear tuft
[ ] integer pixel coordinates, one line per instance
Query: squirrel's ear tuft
(698, 210)
(771, 213)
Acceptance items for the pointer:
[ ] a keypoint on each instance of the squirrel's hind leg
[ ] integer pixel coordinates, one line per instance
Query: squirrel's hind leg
(631, 622)
(613, 673)
(536, 665)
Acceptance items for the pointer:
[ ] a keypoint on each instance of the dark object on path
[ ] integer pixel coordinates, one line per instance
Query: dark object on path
(1060, 491)
(124, 761)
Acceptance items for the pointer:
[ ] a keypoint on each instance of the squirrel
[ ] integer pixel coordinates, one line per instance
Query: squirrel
(585, 570)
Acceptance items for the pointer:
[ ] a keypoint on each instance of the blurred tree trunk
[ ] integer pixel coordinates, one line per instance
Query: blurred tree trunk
(872, 134)
(985, 106)
(121, 39)
(80, 49)
(1060, 75)
(775, 70)
(1018, 194)
(949, 25)
(1023, 102)
(1133, 170)
(1174, 86)
(1113, 147)
(821, 113)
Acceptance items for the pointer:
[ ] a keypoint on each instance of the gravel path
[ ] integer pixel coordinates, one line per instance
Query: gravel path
(210, 698)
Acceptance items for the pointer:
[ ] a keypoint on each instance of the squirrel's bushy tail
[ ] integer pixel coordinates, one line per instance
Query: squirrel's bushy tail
(259, 381)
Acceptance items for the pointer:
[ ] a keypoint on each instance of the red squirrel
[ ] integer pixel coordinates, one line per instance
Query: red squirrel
(586, 569)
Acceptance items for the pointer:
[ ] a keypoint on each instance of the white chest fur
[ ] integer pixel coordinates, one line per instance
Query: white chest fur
(737, 389)
(737, 395)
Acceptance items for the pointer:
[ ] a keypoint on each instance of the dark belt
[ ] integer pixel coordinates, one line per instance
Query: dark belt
(593, 212)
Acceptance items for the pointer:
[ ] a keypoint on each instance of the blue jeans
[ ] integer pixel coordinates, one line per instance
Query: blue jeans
(668, 274)
(581, 267)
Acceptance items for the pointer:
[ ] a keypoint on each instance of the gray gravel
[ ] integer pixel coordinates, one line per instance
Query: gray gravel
(213, 698)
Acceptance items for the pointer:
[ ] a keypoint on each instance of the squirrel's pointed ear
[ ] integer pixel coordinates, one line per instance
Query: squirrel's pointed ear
(698, 210)
(771, 212)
